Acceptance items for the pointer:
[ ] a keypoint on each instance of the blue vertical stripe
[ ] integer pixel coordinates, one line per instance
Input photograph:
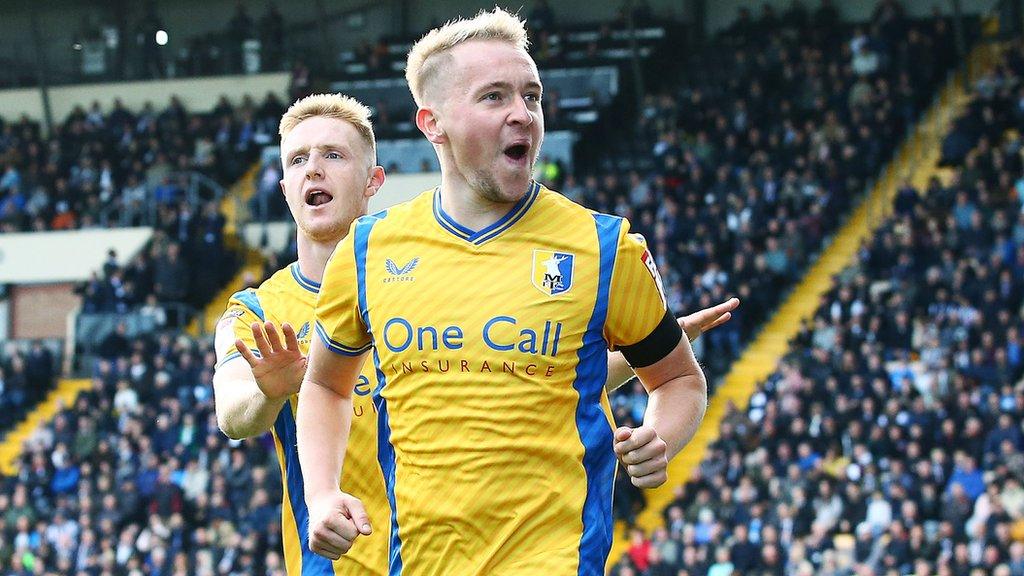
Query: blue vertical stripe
(385, 451)
(312, 564)
(591, 421)
(386, 456)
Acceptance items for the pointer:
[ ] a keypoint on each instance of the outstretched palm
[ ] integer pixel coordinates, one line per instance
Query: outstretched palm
(280, 366)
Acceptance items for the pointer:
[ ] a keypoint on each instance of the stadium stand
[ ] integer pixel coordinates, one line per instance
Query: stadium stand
(167, 169)
(27, 373)
(756, 163)
(777, 129)
(135, 477)
(127, 168)
(889, 440)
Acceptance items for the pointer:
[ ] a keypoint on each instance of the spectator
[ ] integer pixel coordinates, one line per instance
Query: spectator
(300, 84)
(240, 28)
(271, 34)
(170, 275)
(152, 65)
(116, 344)
(25, 378)
(153, 314)
(865, 61)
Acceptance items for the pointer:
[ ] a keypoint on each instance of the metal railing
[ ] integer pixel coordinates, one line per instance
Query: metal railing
(90, 330)
(126, 210)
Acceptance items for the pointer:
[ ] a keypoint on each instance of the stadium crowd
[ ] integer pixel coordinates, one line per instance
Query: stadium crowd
(184, 266)
(119, 167)
(756, 159)
(136, 478)
(26, 375)
(889, 440)
(758, 155)
(135, 168)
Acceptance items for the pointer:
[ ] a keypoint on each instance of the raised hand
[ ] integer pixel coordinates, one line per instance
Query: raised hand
(707, 319)
(280, 366)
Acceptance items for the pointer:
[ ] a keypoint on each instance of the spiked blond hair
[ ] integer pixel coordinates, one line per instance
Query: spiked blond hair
(331, 106)
(423, 63)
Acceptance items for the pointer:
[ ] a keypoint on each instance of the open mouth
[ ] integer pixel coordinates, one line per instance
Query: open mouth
(317, 198)
(517, 152)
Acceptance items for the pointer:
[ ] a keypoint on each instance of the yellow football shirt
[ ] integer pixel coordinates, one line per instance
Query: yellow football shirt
(489, 347)
(288, 296)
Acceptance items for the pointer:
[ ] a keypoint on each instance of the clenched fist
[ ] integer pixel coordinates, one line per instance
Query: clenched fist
(336, 519)
(644, 455)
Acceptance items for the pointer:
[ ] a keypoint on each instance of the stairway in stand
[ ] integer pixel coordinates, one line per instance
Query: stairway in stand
(916, 161)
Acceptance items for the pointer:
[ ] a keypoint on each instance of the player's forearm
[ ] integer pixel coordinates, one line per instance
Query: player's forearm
(676, 408)
(619, 371)
(322, 428)
(243, 411)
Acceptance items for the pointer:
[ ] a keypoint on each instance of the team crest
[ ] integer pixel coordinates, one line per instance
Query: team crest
(552, 271)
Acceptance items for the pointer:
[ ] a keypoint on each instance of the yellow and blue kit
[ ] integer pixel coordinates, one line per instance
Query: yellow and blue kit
(288, 296)
(490, 354)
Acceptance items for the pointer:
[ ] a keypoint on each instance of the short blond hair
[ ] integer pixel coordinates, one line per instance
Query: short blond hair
(331, 106)
(422, 64)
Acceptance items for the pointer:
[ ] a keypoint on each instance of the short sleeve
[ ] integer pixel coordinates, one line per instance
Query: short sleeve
(339, 322)
(639, 322)
(243, 309)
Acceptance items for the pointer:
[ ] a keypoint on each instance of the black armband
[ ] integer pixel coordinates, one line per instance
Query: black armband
(658, 344)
